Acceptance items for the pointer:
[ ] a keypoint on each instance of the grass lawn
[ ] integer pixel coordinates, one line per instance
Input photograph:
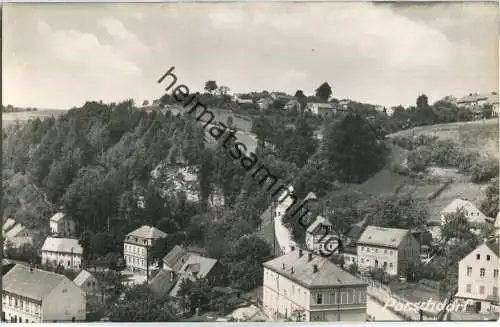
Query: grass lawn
(479, 135)
(414, 292)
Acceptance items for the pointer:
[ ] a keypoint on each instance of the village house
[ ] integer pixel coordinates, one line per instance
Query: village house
(280, 96)
(87, 283)
(478, 278)
(8, 224)
(136, 247)
(18, 231)
(66, 252)
(388, 248)
(475, 102)
(320, 236)
(472, 213)
(292, 104)
(32, 295)
(320, 109)
(180, 264)
(311, 288)
(350, 255)
(344, 103)
(18, 236)
(264, 103)
(62, 225)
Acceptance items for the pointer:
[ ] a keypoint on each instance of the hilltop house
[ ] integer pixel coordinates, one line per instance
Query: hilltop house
(87, 282)
(388, 248)
(321, 109)
(61, 225)
(136, 246)
(301, 283)
(264, 103)
(34, 295)
(473, 214)
(66, 252)
(475, 102)
(292, 104)
(320, 237)
(478, 278)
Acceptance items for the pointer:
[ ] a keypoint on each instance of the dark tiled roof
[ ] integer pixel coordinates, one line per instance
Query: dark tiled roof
(174, 256)
(328, 274)
(494, 247)
(162, 283)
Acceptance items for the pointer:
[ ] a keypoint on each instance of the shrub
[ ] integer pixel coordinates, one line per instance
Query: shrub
(484, 170)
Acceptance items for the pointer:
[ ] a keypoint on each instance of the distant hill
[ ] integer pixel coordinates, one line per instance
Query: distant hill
(481, 135)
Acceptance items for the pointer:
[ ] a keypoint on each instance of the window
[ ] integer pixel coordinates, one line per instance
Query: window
(478, 256)
(481, 289)
(390, 252)
(385, 251)
(487, 257)
(93, 284)
(482, 272)
(469, 271)
(362, 260)
(495, 273)
(368, 250)
(495, 291)
(333, 298)
(468, 288)
(88, 284)
(362, 248)
(376, 250)
(319, 298)
(390, 265)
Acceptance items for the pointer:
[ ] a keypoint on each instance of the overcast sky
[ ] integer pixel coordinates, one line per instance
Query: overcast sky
(60, 55)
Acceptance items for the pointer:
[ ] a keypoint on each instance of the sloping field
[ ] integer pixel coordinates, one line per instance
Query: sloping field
(481, 135)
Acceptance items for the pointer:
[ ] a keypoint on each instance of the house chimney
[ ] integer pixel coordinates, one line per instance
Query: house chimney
(292, 270)
(301, 253)
(310, 256)
(284, 266)
(315, 268)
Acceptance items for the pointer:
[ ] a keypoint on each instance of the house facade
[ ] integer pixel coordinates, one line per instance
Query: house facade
(136, 246)
(66, 252)
(320, 236)
(87, 283)
(309, 287)
(478, 278)
(8, 224)
(388, 248)
(320, 109)
(265, 103)
(61, 225)
(32, 295)
(475, 102)
(471, 212)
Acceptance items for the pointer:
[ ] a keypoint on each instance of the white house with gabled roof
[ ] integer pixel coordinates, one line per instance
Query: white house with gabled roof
(472, 213)
(320, 236)
(478, 278)
(61, 225)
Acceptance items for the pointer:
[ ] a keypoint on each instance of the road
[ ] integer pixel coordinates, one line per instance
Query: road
(378, 311)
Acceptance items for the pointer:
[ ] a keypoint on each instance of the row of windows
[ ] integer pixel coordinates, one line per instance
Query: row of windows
(22, 305)
(135, 261)
(376, 263)
(62, 263)
(494, 290)
(478, 257)
(296, 292)
(136, 240)
(482, 272)
(342, 297)
(375, 250)
(134, 249)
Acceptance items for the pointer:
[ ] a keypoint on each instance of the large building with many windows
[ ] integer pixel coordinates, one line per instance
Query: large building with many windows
(32, 295)
(136, 247)
(307, 287)
(478, 278)
(390, 249)
(66, 252)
